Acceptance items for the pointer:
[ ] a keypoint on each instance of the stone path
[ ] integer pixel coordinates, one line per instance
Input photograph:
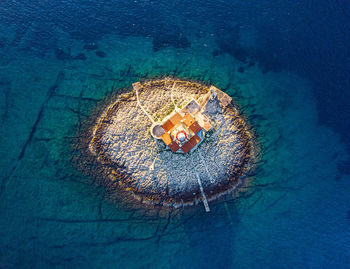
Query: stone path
(136, 88)
(204, 198)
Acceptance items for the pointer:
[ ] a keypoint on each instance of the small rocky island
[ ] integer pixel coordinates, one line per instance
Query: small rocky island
(170, 142)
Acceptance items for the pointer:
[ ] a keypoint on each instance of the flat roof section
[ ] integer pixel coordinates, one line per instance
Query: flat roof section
(195, 127)
(224, 98)
(188, 120)
(167, 139)
(207, 126)
(176, 119)
(203, 121)
(174, 146)
(167, 126)
(192, 107)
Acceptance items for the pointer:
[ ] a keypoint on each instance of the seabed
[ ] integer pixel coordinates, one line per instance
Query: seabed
(292, 197)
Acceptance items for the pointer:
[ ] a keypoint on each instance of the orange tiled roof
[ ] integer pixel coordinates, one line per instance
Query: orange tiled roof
(194, 140)
(187, 147)
(167, 126)
(166, 138)
(188, 119)
(191, 123)
(176, 119)
(174, 146)
(195, 127)
(190, 143)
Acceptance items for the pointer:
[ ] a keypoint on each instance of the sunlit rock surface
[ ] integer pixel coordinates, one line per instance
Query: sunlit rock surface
(136, 165)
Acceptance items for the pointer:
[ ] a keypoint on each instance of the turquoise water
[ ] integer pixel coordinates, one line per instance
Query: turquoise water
(286, 64)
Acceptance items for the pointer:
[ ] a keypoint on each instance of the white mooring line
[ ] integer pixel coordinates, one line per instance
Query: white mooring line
(204, 198)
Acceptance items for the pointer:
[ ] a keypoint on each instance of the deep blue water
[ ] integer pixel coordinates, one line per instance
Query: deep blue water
(287, 63)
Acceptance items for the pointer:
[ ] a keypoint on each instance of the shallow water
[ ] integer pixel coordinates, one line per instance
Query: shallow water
(285, 63)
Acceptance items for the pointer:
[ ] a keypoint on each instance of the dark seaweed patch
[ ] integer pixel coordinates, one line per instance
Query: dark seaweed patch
(100, 53)
(268, 52)
(215, 53)
(62, 55)
(80, 56)
(344, 168)
(241, 69)
(3, 42)
(168, 39)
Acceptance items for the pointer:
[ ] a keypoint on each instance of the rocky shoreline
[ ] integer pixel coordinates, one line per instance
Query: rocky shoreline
(124, 156)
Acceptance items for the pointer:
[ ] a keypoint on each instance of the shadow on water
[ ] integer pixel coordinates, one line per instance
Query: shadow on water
(211, 237)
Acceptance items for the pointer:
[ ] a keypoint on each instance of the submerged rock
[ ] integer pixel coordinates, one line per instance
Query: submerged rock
(169, 142)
